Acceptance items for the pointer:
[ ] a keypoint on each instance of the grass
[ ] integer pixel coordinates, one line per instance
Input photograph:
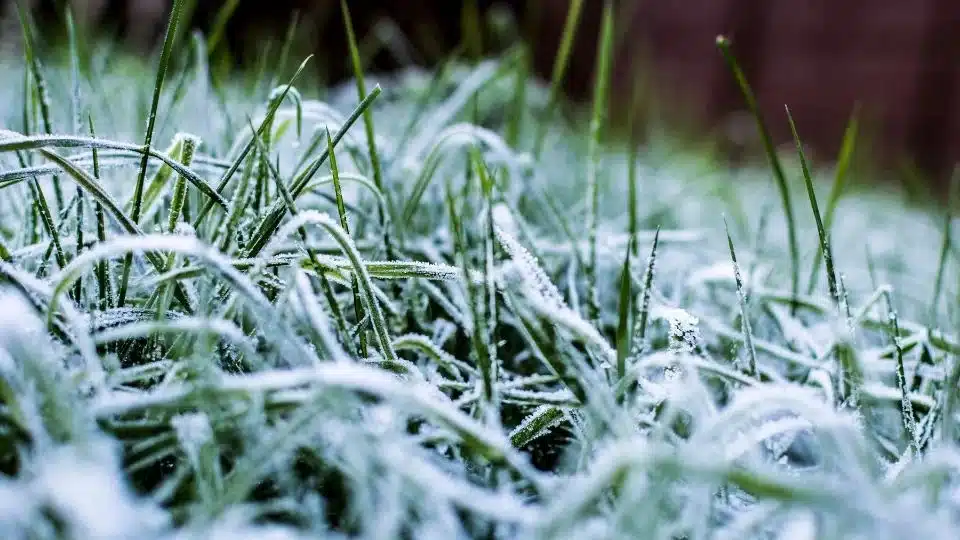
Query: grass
(332, 331)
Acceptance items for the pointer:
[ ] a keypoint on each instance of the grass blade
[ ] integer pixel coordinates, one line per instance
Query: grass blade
(271, 222)
(624, 312)
(342, 212)
(821, 232)
(165, 53)
(560, 64)
(478, 333)
(844, 162)
(291, 206)
(907, 418)
(945, 245)
(367, 123)
(638, 342)
(264, 126)
(36, 70)
(93, 188)
(744, 310)
(104, 286)
(724, 45)
(597, 122)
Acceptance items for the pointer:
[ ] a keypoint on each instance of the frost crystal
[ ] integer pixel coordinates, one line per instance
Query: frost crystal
(530, 272)
(193, 430)
(684, 330)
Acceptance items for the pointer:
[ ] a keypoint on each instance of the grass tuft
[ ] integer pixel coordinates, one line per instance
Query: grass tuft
(253, 347)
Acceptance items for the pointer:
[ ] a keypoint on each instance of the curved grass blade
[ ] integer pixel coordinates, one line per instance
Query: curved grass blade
(93, 188)
(11, 142)
(349, 249)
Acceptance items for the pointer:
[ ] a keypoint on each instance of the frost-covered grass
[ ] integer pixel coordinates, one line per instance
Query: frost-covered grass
(392, 331)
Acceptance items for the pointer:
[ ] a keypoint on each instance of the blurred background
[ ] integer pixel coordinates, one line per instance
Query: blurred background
(894, 60)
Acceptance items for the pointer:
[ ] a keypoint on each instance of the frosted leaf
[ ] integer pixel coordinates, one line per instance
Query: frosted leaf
(531, 273)
(538, 423)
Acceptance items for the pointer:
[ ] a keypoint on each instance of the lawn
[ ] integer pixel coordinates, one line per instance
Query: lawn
(428, 305)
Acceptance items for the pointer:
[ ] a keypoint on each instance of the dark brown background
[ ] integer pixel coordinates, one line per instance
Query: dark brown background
(897, 58)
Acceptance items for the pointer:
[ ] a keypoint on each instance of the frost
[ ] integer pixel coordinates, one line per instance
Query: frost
(531, 273)
(684, 445)
(184, 229)
(684, 329)
(86, 491)
(193, 431)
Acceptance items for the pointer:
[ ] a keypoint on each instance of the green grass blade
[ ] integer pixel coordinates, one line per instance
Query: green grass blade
(291, 206)
(271, 222)
(342, 213)
(744, 309)
(724, 45)
(844, 162)
(597, 121)
(945, 245)
(264, 126)
(285, 49)
(518, 106)
(560, 64)
(907, 418)
(190, 144)
(77, 116)
(165, 54)
(624, 312)
(40, 83)
(638, 342)
(219, 27)
(104, 286)
(488, 292)
(95, 190)
(368, 123)
(811, 193)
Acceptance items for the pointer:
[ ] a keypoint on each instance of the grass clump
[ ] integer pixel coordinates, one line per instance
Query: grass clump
(301, 330)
